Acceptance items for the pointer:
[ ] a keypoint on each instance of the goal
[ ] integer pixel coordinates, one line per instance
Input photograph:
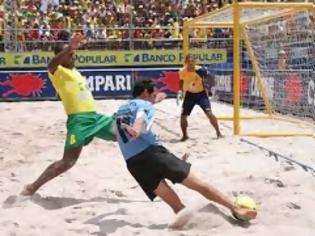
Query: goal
(266, 81)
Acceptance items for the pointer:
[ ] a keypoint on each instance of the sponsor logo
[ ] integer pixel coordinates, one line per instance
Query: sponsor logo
(116, 82)
(24, 85)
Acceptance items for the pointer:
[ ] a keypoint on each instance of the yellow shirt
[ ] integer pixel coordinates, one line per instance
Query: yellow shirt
(193, 81)
(73, 90)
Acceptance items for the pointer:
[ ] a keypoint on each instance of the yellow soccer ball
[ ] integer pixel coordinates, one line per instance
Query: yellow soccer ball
(245, 202)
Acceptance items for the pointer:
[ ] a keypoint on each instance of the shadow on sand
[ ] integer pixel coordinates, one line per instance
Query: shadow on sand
(53, 203)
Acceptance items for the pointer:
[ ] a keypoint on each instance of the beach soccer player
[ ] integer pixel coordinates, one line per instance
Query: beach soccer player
(150, 163)
(193, 89)
(83, 123)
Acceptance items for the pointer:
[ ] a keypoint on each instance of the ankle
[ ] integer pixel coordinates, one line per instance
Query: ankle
(178, 209)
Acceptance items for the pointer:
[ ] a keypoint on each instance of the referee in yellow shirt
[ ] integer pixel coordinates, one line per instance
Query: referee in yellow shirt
(83, 123)
(193, 88)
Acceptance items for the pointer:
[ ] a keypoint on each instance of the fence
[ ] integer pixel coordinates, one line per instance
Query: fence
(34, 40)
(42, 39)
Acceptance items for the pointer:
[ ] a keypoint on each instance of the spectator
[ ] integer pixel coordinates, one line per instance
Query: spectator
(162, 18)
(45, 3)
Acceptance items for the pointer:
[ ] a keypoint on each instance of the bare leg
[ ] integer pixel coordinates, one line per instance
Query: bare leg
(168, 195)
(213, 194)
(184, 125)
(69, 159)
(214, 122)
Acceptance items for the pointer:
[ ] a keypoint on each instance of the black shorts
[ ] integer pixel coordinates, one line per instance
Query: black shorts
(192, 99)
(155, 164)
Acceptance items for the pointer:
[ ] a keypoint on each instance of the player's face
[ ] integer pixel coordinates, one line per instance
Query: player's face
(68, 61)
(190, 61)
(150, 97)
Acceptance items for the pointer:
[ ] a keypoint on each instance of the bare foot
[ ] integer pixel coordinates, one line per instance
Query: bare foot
(184, 138)
(219, 136)
(28, 190)
(244, 214)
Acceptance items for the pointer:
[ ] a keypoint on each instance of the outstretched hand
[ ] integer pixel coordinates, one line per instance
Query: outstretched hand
(159, 97)
(179, 97)
(77, 41)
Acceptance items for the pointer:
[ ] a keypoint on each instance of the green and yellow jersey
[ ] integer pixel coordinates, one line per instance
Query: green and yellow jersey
(73, 90)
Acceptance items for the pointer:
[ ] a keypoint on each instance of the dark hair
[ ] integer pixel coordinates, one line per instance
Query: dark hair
(59, 46)
(63, 36)
(140, 86)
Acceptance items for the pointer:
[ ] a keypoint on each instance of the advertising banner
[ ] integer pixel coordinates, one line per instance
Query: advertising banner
(290, 92)
(108, 58)
(25, 86)
(35, 85)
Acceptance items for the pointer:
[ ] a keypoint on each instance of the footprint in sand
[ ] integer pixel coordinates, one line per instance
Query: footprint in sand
(276, 182)
(80, 182)
(14, 180)
(9, 223)
(70, 220)
(288, 168)
(17, 134)
(294, 206)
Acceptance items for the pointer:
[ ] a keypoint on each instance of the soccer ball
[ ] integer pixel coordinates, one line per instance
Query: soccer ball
(244, 202)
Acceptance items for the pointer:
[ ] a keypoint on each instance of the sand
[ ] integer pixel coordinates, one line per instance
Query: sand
(99, 197)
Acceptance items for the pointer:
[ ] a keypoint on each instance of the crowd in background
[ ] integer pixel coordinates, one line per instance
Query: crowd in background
(145, 22)
(37, 20)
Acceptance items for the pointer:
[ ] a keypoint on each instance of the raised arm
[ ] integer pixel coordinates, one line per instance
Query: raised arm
(75, 43)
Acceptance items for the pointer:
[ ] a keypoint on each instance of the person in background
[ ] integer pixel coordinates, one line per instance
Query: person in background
(192, 88)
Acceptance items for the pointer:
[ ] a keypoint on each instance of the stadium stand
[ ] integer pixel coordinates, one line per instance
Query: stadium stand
(109, 24)
(99, 20)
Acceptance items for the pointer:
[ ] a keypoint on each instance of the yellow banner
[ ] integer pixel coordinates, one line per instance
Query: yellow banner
(114, 58)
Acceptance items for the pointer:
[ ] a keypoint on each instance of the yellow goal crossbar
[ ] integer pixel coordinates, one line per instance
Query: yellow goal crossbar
(231, 16)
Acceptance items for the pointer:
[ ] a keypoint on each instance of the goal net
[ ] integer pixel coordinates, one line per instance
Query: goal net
(276, 78)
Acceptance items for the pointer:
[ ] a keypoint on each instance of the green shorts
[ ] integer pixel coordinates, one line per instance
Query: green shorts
(83, 127)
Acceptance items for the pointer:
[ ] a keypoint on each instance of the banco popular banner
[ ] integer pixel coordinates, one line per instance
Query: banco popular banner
(113, 58)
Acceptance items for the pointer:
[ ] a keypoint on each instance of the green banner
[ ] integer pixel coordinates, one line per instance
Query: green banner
(114, 58)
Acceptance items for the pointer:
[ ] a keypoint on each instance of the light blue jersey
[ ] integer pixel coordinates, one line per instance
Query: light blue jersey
(127, 114)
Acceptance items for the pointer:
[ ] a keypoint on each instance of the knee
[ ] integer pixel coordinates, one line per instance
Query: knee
(211, 116)
(209, 113)
(183, 118)
(70, 157)
(68, 163)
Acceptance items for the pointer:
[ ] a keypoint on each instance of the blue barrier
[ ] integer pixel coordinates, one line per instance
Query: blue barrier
(104, 83)
(297, 86)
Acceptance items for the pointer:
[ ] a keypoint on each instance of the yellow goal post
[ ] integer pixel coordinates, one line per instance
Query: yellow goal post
(246, 20)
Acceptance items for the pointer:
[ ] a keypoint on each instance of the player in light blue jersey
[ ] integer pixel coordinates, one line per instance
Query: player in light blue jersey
(150, 163)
